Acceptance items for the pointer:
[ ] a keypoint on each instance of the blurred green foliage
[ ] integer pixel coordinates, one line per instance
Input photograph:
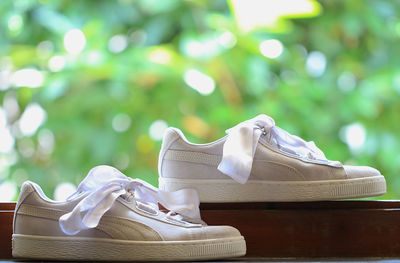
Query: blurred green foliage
(332, 76)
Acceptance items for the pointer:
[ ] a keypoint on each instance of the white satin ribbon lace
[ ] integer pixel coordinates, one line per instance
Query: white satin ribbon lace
(104, 184)
(241, 144)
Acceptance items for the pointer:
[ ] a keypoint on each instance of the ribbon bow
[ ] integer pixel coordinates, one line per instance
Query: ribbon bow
(105, 184)
(241, 144)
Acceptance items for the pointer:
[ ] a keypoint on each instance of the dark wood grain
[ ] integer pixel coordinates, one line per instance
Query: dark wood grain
(353, 204)
(309, 229)
(6, 219)
(313, 229)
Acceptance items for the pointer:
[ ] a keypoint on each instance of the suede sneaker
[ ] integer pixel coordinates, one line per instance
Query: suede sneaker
(115, 218)
(258, 162)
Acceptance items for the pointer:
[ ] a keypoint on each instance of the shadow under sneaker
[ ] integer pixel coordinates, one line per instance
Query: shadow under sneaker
(259, 162)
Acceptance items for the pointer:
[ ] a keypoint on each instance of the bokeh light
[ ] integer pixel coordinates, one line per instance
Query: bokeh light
(15, 23)
(46, 140)
(253, 14)
(354, 135)
(7, 140)
(316, 63)
(118, 43)
(63, 191)
(32, 117)
(8, 191)
(271, 48)
(28, 77)
(347, 81)
(157, 128)
(227, 39)
(74, 41)
(160, 56)
(121, 122)
(57, 63)
(199, 81)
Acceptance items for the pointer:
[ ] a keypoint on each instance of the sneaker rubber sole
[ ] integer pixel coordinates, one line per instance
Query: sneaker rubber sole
(223, 191)
(102, 249)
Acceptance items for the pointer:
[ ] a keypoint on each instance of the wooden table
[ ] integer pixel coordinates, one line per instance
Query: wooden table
(275, 260)
(362, 229)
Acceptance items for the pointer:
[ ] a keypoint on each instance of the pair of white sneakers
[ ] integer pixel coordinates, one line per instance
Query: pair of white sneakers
(114, 217)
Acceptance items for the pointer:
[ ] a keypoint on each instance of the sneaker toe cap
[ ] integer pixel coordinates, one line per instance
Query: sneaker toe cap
(220, 232)
(360, 171)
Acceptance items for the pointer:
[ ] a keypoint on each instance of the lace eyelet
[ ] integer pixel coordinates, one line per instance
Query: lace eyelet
(146, 208)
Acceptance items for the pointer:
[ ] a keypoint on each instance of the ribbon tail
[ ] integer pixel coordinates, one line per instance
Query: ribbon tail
(88, 212)
(238, 152)
(235, 169)
(184, 202)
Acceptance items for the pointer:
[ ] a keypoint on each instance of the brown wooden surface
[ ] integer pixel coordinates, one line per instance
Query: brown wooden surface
(6, 218)
(313, 229)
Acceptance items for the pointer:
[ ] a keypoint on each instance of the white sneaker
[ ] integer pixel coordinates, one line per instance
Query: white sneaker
(113, 217)
(258, 161)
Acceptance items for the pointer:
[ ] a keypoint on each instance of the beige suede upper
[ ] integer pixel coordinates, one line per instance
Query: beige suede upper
(182, 159)
(37, 215)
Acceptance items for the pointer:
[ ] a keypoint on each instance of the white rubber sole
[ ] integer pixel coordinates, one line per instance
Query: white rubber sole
(222, 191)
(101, 249)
